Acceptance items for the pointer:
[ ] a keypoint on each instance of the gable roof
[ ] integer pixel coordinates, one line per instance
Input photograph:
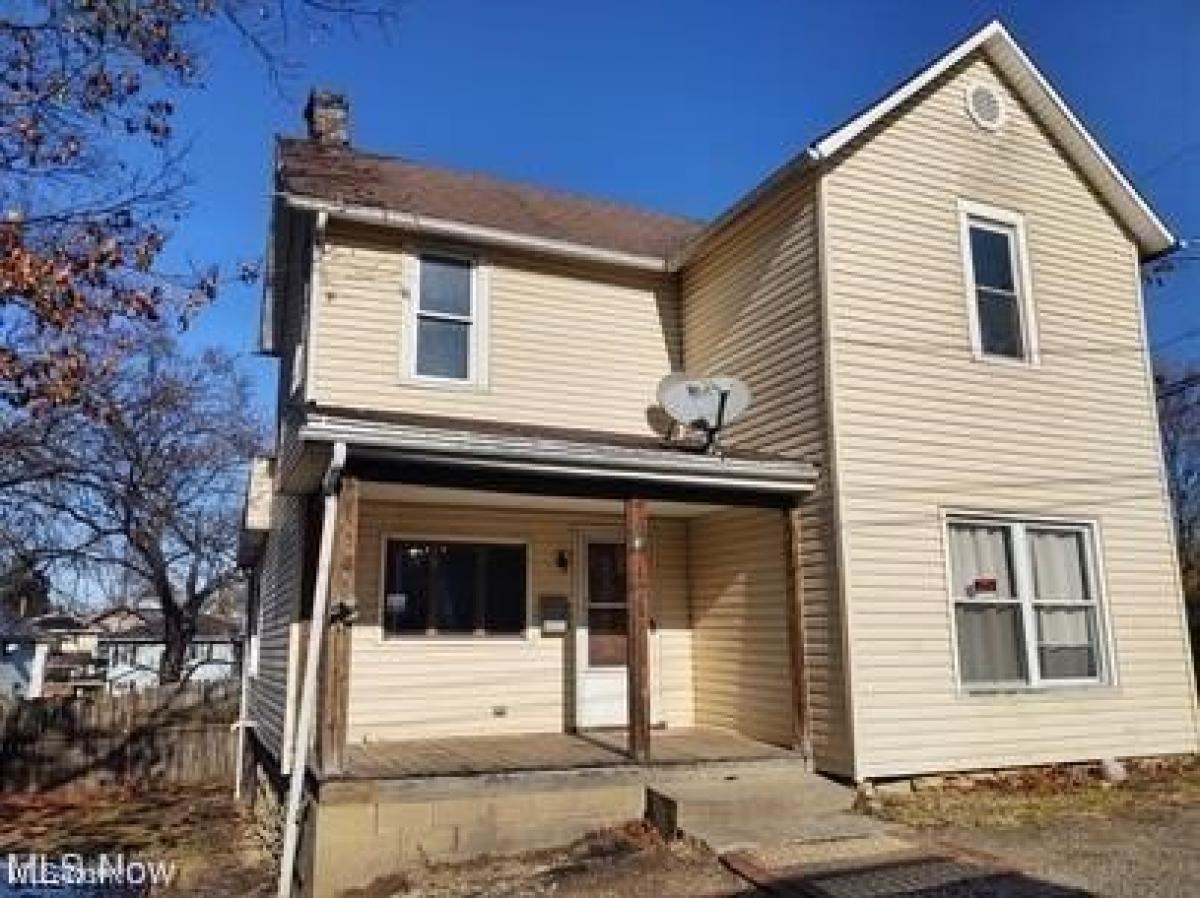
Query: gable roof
(392, 191)
(1027, 81)
(347, 177)
(1153, 237)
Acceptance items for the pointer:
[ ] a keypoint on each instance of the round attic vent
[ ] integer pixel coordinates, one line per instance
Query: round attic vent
(985, 105)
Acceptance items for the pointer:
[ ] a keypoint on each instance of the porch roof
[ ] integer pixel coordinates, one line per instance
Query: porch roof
(615, 462)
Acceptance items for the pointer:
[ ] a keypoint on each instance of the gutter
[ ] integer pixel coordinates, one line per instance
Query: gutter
(308, 692)
(563, 458)
(442, 227)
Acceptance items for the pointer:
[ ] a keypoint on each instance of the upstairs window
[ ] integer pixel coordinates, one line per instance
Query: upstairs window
(996, 269)
(1026, 609)
(446, 322)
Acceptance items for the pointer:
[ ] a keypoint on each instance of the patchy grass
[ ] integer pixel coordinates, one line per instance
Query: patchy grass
(200, 828)
(1040, 798)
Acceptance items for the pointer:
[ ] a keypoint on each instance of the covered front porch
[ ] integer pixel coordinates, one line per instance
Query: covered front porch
(644, 609)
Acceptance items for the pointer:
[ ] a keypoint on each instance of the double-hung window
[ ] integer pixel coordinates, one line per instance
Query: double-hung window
(445, 325)
(1001, 314)
(1026, 603)
(454, 588)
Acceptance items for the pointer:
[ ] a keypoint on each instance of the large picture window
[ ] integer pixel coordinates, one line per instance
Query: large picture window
(453, 588)
(1026, 608)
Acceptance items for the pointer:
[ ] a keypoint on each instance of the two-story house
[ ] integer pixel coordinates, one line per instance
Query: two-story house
(938, 540)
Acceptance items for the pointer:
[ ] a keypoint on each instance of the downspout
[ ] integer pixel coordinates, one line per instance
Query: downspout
(243, 723)
(308, 693)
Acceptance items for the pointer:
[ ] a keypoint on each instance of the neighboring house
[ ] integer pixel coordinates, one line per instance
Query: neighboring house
(73, 666)
(131, 642)
(23, 651)
(939, 539)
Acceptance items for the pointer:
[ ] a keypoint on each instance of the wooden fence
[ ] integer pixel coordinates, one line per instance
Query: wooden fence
(170, 734)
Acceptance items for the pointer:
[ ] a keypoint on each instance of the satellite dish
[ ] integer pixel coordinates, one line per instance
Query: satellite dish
(704, 403)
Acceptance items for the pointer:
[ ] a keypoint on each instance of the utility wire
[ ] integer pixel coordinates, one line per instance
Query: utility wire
(1166, 163)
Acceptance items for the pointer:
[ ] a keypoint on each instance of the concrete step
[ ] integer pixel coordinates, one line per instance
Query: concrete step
(742, 812)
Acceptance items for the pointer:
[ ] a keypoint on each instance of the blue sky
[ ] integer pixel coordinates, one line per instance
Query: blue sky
(680, 106)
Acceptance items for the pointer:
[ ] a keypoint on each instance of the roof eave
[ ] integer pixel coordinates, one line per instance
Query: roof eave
(474, 233)
(1153, 237)
(563, 457)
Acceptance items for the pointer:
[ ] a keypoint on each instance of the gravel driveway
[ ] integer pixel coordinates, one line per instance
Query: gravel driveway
(1147, 853)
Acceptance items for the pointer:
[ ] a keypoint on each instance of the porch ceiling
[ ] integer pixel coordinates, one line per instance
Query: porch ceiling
(434, 495)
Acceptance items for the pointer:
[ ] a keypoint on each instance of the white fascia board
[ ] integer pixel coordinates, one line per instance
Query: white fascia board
(554, 456)
(441, 227)
(835, 140)
(1152, 233)
(1153, 236)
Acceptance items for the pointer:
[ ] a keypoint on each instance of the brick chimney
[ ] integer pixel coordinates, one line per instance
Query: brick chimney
(328, 118)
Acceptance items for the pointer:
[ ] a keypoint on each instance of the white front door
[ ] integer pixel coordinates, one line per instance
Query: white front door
(601, 638)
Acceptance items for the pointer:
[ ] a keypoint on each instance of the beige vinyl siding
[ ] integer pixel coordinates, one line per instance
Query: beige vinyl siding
(567, 345)
(279, 592)
(923, 428)
(418, 687)
(752, 308)
(739, 615)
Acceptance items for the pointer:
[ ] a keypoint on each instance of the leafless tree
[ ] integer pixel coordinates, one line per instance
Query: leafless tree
(92, 177)
(1178, 389)
(148, 481)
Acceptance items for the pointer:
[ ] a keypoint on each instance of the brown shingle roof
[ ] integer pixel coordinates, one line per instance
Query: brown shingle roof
(343, 175)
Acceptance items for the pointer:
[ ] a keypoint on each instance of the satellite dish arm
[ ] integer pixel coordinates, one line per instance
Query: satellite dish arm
(710, 444)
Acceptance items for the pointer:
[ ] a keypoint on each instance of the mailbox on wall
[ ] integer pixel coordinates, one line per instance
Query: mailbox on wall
(554, 615)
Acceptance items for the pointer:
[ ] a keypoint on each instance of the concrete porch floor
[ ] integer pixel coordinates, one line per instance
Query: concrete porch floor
(599, 749)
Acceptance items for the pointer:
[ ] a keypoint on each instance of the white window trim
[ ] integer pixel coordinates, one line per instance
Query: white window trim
(971, 212)
(1106, 666)
(527, 634)
(477, 345)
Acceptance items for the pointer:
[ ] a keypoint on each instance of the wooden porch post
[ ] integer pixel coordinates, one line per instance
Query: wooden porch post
(801, 721)
(335, 671)
(637, 591)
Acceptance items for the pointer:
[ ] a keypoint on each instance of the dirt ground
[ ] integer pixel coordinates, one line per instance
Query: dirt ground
(629, 862)
(201, 829)
(1136, 839)
(1140, 838)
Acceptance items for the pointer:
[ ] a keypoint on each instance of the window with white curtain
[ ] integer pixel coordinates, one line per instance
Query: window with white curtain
(1026, 609)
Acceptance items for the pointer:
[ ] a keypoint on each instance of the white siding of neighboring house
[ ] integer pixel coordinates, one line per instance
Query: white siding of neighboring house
(18, 673)
(134, 666)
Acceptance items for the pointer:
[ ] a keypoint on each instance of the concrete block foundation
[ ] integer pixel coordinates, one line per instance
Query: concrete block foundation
(357, 835)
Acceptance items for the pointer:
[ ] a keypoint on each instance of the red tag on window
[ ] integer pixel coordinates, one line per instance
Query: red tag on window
(983, 584)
